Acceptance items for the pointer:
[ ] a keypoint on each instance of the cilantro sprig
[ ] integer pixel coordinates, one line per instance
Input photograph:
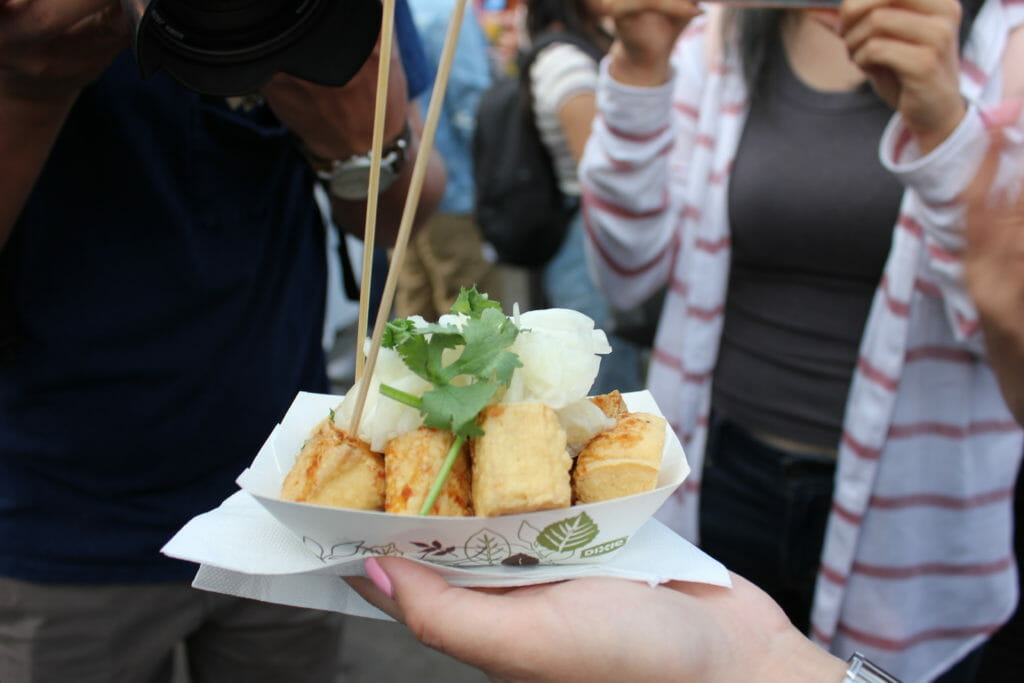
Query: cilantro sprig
(466, 384)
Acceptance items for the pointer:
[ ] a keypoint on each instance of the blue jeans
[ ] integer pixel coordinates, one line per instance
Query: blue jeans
(763, 514)
(567, 284)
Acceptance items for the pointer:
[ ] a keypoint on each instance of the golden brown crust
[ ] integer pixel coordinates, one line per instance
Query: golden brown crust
(520, 464)
(336, 469)
(611, 404)
(411, 463)
(622, 461)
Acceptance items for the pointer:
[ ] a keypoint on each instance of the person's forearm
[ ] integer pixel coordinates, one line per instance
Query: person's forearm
(350, 216)
(630, 70)
(28, 130)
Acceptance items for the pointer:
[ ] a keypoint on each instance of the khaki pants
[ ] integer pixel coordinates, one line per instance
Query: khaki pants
(446, 254)
(127, 634)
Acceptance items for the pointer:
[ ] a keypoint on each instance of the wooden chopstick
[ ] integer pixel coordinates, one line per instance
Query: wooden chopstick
(387, 32)
(409, 210)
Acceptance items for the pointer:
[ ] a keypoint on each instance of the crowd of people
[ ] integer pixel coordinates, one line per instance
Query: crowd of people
(821, 210)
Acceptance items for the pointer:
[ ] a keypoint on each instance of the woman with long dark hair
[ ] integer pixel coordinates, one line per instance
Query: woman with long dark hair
(563, 75)
(793, 177)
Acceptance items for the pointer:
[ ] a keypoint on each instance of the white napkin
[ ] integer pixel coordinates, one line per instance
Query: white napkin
(243, 550)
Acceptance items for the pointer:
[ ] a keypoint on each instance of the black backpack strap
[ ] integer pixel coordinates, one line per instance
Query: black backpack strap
(348, 273)
(526, 60)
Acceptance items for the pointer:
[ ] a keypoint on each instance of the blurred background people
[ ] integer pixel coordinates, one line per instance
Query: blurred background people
(563, 78)
(162, 268)
(448, 252)
(503, 24)
(818, 354)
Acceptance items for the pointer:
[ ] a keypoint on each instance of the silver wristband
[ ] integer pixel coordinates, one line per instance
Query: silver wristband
(862, 670)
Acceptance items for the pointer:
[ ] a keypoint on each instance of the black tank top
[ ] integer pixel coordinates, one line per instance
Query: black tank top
(811, 213)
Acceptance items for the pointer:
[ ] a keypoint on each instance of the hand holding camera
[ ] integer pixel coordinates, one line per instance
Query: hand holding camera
(909, 50)
(333, 122)
(646, 31)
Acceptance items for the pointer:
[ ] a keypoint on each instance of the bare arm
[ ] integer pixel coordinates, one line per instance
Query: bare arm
(49, 50)
(577, 118)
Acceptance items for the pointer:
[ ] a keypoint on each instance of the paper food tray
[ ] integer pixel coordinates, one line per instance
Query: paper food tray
(581, 534)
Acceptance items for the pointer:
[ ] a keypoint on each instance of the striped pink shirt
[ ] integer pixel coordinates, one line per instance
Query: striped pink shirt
(917, 567)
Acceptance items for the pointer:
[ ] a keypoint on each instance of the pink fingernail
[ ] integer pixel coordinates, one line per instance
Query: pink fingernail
(377, 575)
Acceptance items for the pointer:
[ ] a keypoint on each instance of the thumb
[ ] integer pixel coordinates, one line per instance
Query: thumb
(396, 585)
(457, 621)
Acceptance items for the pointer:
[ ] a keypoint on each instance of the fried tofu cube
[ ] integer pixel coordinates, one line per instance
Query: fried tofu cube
(338, 470)
(622, 461)
(411, 463)
(520, 464)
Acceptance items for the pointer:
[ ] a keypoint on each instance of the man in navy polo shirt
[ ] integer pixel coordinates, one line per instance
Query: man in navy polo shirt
(162, 284)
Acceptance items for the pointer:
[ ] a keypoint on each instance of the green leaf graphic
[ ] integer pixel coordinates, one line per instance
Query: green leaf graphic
(569, 534)
(487, 547)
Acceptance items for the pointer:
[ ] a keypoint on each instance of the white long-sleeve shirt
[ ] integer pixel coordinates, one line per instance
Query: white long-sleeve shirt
(917, 567)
